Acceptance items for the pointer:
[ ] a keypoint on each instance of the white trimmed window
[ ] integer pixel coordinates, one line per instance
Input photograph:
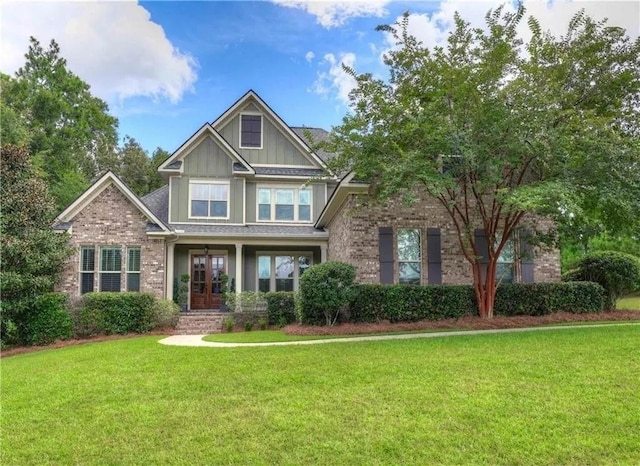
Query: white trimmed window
(133, 268)
(409, 257)
(505, 265)
(281, 272)
(281, 204)
(110, 268)
(87, 268)
(208, 200)
(250, 131)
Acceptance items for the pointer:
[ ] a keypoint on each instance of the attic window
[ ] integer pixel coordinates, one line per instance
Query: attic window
(251, 131)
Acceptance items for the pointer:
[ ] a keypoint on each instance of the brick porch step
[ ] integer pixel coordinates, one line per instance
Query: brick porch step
(200, 322)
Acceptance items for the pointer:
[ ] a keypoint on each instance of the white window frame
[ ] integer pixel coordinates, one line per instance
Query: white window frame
(86, 247)
(211, 182)
(272, 256)
(261, 130)
(134, 272)
(510, 243)
(419, 261)
(296, 203)
(102, 272)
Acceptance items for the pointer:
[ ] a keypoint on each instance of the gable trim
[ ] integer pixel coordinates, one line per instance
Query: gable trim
(183, 150)
(93, 191)
(268, 111)
(339, 195)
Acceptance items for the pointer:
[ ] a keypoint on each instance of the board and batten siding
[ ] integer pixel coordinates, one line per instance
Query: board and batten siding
(276, 148)
(207, 161)
(317, 197)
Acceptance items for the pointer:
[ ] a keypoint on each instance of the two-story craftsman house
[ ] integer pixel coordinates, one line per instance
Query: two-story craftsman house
(247, 197)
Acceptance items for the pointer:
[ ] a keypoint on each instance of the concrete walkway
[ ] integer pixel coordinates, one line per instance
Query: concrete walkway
(196, 340)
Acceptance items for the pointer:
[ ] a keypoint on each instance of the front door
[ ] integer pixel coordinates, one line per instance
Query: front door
(206, 281)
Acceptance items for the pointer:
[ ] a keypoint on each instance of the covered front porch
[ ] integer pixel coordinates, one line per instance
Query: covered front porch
(215, 266)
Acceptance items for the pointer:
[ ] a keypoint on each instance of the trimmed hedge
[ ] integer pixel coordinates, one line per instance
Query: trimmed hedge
(536, 299)
(407, 303)
(119, 312)
(281, 307)
(49, 320)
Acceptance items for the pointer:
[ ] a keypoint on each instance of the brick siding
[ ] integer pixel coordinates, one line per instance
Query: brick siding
(112, 220)
(353, 238)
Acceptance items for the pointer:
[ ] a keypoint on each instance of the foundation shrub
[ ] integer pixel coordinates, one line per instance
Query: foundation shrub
(49, 319)
(325, 291)
(536, 299)
(121, 312)
(281, 307)
(165, 314)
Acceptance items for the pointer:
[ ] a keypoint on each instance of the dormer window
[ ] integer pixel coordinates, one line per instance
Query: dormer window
(250, 131)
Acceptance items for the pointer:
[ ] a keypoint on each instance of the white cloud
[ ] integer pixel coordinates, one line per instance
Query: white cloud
(336, 79)
(113, 46)
(309, 56)
(333, 14)
(433, 29)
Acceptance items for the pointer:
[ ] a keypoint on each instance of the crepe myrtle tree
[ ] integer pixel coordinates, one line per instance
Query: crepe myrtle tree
(545, 128)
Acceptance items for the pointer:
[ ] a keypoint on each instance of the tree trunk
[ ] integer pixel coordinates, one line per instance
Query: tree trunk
(485, 289)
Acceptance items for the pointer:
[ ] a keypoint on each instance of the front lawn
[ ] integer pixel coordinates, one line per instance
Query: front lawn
(630, 302)
(545, 397)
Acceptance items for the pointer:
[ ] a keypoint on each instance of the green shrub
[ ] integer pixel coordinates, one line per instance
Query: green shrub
(87, 322)
(262, 324)
(407, 303)
(248, 325)
(165, 314)
(325, 290)
(618, 273)
(227, 324)
(281, 307)
(120, 312)
(246, 301)
(49, 320)
(535, 299)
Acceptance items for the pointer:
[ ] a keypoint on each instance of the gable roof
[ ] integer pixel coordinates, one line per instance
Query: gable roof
(251, 95)
(174, 162)
(93, 191)
(317, 135)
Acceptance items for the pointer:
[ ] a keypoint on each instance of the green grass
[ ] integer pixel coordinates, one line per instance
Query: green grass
(630, 302)
(546, 397)
(261, 336)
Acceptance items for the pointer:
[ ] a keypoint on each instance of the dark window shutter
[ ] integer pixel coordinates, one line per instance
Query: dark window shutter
(482, 245)
(434, 256)
(526, 261)
(385, 243)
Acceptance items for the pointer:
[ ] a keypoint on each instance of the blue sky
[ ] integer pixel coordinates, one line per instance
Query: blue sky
(165, 68)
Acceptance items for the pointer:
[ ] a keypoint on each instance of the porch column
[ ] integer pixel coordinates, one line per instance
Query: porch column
(168, 282)
(323, 252)
(238, 268)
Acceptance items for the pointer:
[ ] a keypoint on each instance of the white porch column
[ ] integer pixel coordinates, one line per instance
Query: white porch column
(323, 252)
(238, 268)
(169, 272)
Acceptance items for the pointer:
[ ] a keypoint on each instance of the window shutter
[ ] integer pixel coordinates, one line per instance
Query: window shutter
(483, 249)
(526, 261)
(434, 259)
(385, 243)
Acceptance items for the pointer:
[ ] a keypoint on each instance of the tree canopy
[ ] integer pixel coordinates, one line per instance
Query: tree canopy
(497, 130)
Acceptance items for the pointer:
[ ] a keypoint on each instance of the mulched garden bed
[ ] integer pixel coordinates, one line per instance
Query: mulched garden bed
(464, 323)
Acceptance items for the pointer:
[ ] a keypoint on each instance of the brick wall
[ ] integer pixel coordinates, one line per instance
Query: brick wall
(353, 238)
(112, 220)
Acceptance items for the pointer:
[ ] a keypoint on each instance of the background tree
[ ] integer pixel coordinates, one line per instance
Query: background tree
(155, 180)
(33, 255)
(548, 128)
(68, 127)
(134, 166)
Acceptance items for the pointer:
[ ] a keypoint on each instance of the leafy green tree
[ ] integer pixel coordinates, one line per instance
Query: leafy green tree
(134, 166)
(33, 255)
(155, 180)
(67, 125)
(547, 128)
